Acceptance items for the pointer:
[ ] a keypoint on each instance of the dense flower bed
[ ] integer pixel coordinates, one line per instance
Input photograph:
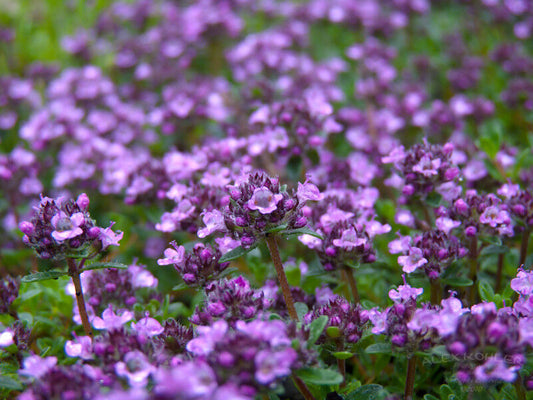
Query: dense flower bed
(267, 199)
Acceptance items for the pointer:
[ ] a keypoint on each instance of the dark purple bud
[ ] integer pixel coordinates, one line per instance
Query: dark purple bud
(408, 190)
(518, 209)
(457, 349)
(94, 301)
(463, 376)
(289, 204)
(331, 251)
(226, 359)
(328, 267)
(110, 287)
(235, 194)
(27, 227)
(451, 173)
(99, 349)
(447, 148)
(286, 117)
(206, 255)
(83, 202)
(189, 279)
(300, 222)
(442, 254)
(241, 221)
(496, 330)
(399, 340)
(247, 241)
(94, 232)
(302, 131)
(216, 309)
(471, 231)
(461, 206)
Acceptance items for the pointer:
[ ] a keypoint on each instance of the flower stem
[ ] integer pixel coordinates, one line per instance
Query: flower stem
(348, 275)
(284, 284)
(410, 378)
(436, 291)
(519, 387)
(523, 246)
(74, 272)
(302, 387)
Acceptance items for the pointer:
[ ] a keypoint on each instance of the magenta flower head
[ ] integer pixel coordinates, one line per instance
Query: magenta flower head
(264, 201)
(259, 205)
(63, 228)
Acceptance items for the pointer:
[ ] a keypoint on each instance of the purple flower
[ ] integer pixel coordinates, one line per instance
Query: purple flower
(111, 321)
(404, 293)
(190, 380)
(427, 167)
(81, 347)
(523, 283)
(264, 201)
(214, 221)
(67, 227)
(273, 364)
(308, 191)
(37, 367)
(147, 327)
(446, 224)
(135, 367)
(173, 256)
(207, 337)
(110, 238)
(493, 216)
(349, 239)
(495, 368)
(414, 260)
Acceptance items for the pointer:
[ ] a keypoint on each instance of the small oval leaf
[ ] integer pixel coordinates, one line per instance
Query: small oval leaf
(43, 276)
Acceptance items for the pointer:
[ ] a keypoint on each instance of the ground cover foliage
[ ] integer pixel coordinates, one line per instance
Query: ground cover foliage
(238, 199)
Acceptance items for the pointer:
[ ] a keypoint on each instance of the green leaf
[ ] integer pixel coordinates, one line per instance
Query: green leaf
(342, 355)
(494, 249)
(301, 309)
(333, 332)
(485, 291)
(319, 376)
(430, 397)
(235, 253)
(460, 281)
(277, 228)
(7, 382)
(379, 348)
(433, 199)
(43, 276)
(316, 328)
(365, 392)
(104, 265)
(302, 231)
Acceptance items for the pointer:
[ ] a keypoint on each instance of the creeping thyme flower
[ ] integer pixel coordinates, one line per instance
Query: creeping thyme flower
(423, 168)
(61, 227)
(258, 204)
(486, 330)
(230, 300)
(254, 355)
(197, 267)
(348, 318)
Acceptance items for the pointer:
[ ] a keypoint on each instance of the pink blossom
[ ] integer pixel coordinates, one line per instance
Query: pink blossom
(67, 227)
(214, 221)
(173, 256)
(37, 367)
(110, 238)
(264, 201)
(414, 260)
(111, 321)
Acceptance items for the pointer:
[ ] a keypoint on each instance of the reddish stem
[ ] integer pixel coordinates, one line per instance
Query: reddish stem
(284, 284)
(74, 272)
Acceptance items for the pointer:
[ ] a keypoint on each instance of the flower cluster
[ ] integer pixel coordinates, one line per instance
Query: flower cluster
(63, 226)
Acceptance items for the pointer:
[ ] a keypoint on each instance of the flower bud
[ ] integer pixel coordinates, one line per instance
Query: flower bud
(27, 227)
(83, 201)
